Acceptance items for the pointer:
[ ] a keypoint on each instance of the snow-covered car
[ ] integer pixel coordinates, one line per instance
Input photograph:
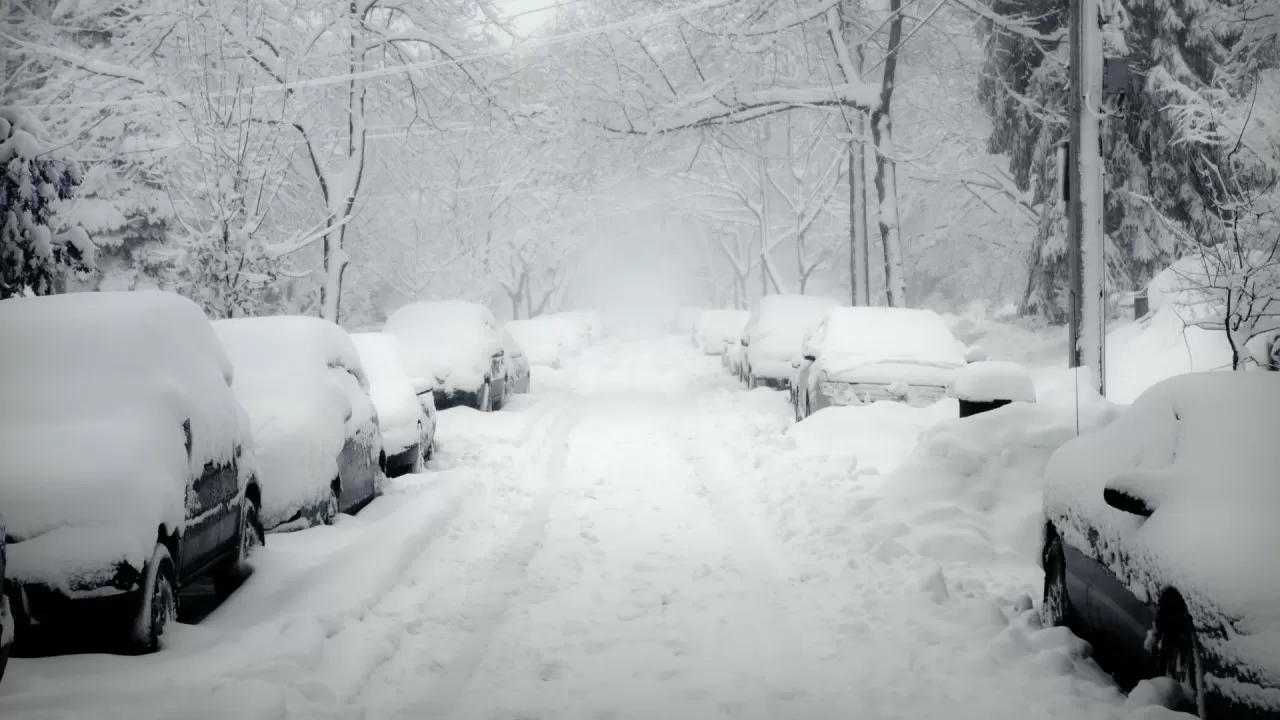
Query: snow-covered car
(314, 425)
(539, 338)
(589, 320)
(408, 429)
(732, 359)
(574, 335)
(717, 330)
(516, 365)
(458, 345)
(860, 355)
(685, 320)
(6, 615)
(1160, 540)
(774, 335)
(128, 467)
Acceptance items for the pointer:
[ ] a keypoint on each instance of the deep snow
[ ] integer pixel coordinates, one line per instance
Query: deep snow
(640, 538)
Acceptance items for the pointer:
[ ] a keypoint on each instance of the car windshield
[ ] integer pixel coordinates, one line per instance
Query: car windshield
(891, 335)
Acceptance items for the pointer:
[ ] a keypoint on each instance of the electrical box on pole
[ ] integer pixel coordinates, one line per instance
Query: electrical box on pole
(1085, 240)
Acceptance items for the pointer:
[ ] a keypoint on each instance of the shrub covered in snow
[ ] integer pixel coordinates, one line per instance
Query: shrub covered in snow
(111, 406)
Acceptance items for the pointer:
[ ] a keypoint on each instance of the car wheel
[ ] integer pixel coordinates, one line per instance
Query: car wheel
(1178, 655)
(420, 459)
(752, 383)
(4, 660)
(331, 504)
(252, 537)
(484, 403)
(158, 606)
(1055, 605)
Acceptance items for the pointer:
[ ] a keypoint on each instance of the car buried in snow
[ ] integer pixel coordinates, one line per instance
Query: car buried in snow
(315, 428)
(516, 366)
(1160, 537)
(861, 355)
(540, 340)
(774, 334)
(718, 330)
(128, 466)
(456, 344)
(407, 425)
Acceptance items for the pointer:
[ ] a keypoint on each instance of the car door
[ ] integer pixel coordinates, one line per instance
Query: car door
(210, 500)
(1119, 618)
(811, 350)
(358, 462)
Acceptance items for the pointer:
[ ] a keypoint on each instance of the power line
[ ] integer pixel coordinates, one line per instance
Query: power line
(536, 44)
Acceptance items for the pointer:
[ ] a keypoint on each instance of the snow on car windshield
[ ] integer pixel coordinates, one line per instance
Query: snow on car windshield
(889, 334)
(781, 321)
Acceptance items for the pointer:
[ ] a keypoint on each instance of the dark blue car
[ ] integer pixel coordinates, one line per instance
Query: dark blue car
(1161, 546)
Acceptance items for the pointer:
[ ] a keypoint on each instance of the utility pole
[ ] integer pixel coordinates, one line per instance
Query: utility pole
(1085, 238)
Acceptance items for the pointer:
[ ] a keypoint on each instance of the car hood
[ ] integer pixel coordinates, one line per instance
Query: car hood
(911, 372)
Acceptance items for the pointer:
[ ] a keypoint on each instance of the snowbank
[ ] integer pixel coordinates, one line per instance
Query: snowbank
(994, 380)
(449, 340)
(303, 384)
(1201, 450)
(96, 388)
(400, 414)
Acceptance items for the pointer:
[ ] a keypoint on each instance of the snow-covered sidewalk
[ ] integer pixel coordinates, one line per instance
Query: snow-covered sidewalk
(640, 538)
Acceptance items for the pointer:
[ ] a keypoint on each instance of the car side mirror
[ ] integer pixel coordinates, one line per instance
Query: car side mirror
(1126, 501)
(811, 358)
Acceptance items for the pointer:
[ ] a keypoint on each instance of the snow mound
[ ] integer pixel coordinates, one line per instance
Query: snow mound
(96, 388)
(449, 340)
(392, 391)
(891, 428)
(994, 380)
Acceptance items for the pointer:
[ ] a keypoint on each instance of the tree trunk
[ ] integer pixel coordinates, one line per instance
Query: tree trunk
(860, 271)
(886, 168)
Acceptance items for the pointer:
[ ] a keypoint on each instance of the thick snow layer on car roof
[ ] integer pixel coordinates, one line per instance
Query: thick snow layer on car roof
(859, 335)
(718, 327)
(449, 340)
(780, 323)
(399, 411)
(96, 388)
(539, 338)
(1202, 449)
(994, 380)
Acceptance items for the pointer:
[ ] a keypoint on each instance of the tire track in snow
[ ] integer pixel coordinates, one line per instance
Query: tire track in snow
(506, 578)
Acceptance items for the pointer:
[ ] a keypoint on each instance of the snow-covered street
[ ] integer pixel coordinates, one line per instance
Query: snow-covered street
(638, 538)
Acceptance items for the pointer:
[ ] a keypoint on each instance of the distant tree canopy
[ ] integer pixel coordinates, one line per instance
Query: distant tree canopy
(1176, 173)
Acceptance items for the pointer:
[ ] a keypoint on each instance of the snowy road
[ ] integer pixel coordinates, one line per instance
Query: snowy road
(638, 539)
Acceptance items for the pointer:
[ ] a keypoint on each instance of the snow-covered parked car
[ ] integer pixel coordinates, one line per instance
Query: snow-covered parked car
(6, 614)
(127, 466)
(774, 335)
(860, 355)
(408, 427)
(539, 338)
(315, 428)
(458, 345)
(1160, 540)
(516, 365)
(717, 330)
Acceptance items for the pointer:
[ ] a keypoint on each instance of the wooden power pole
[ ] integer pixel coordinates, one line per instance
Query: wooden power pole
(1085, 239)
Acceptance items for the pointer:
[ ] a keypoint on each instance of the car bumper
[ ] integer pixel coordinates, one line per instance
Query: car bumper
(402, 462)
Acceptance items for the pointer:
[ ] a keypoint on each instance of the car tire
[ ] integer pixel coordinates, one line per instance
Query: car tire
(1055, 605)
(332, 503)
(158, 602)
(420, 459)
(752, 384)
(4, 659)
(252, 537)
(484, 401)
(1178, 655)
